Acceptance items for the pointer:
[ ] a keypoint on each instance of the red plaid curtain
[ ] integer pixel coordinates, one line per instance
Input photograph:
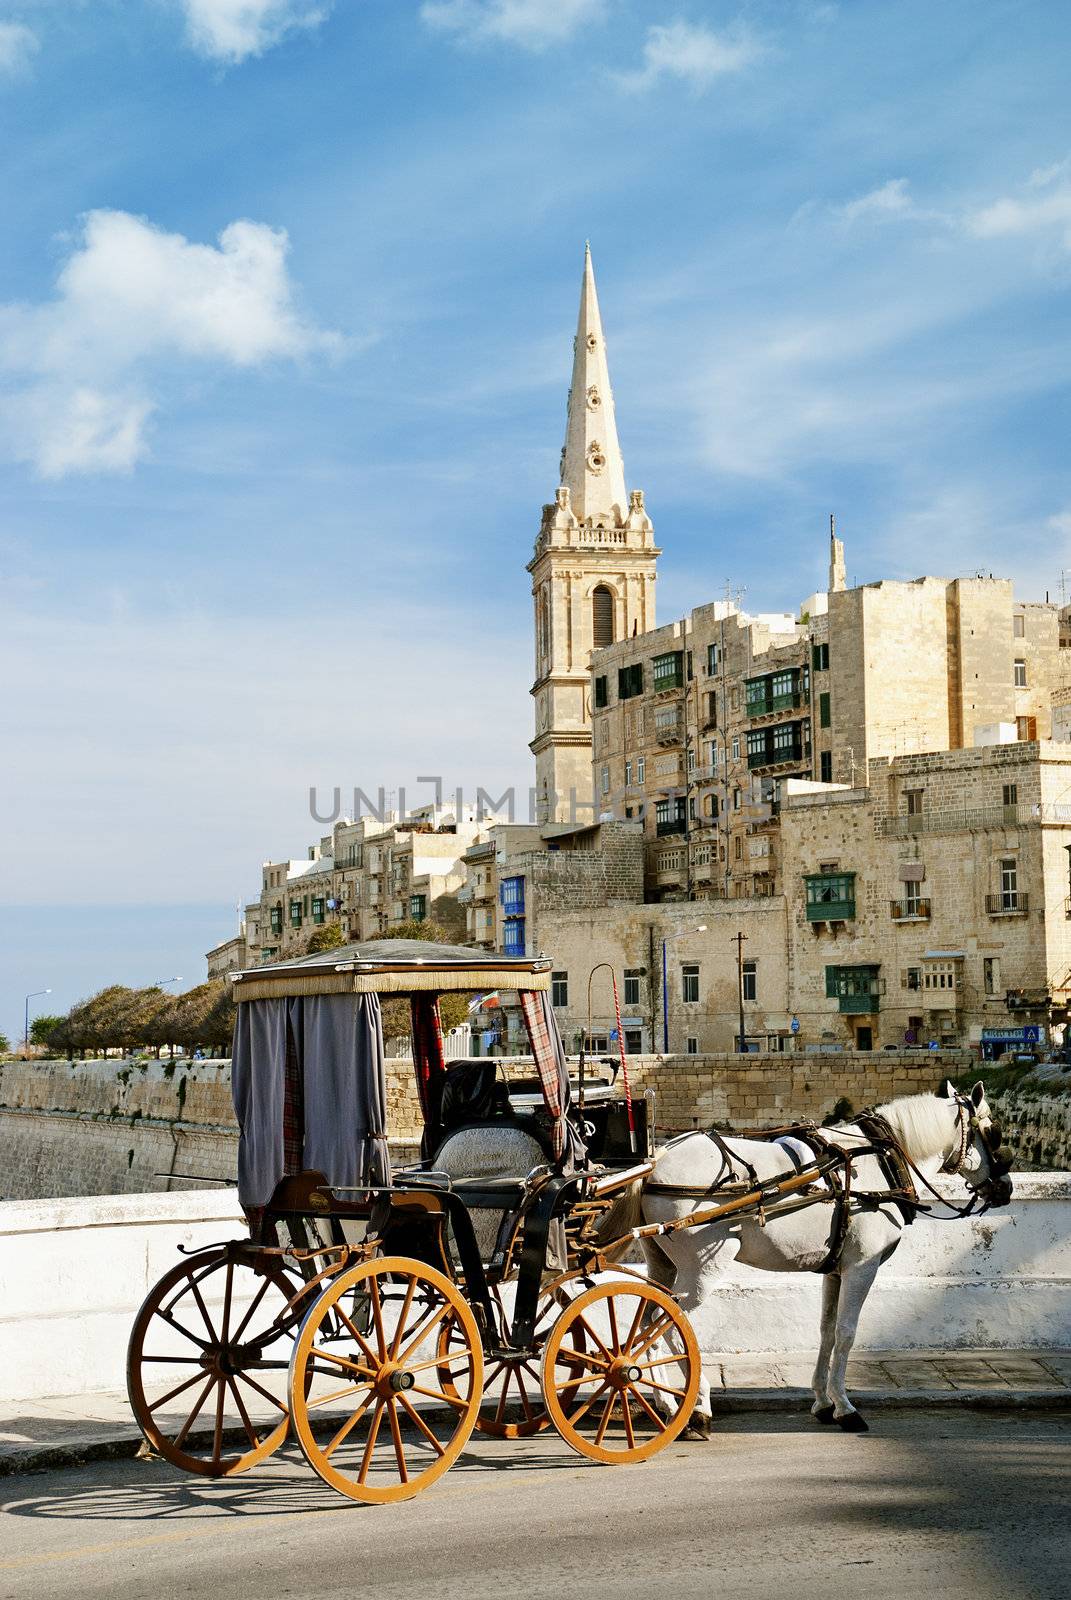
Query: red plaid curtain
(549, 1060)
(428, 1061)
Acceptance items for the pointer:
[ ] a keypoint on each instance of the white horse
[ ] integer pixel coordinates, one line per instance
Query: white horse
(952, 1130)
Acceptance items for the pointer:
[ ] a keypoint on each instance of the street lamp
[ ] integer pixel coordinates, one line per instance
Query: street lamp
(26, 1030)
(702, 928)
(158, 983)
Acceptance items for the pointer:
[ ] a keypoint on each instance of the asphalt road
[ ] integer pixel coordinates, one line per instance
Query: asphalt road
(943, 1503)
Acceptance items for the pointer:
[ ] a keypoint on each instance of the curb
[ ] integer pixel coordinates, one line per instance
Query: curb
(17, 1459)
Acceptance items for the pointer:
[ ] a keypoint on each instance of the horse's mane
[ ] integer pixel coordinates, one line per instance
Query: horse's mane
(920, 1122)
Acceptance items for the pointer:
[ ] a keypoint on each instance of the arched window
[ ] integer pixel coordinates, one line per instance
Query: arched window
(544, 625)
(602, 617)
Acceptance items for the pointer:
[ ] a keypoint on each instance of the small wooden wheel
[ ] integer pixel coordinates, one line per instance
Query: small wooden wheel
(202, 1352)
(626, 1388)
(512, 1405)
(379, 1410)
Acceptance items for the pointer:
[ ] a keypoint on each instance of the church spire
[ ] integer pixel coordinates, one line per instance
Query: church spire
(837, 574)
(592, 469)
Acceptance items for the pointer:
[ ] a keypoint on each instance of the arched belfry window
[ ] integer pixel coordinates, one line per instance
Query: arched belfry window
(602, 617)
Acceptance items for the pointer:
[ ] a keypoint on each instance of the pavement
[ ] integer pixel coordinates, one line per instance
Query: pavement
(67, 1430)
(939, 1500)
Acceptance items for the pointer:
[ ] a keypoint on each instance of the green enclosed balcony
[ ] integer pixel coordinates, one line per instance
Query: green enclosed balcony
(856, 989)
(830, 896)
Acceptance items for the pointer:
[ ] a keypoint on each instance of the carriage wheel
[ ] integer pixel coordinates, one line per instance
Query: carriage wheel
(621, 1371)
(515, 1410)
(202, 1352)
(372, 1409)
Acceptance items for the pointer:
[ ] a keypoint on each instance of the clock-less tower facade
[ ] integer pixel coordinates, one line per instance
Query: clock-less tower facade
(593, 575)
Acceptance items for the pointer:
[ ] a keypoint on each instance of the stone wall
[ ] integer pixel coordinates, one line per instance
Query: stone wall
(1038, 1128)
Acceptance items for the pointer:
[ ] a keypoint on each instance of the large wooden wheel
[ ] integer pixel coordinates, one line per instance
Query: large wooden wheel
(378, 1409)
(512, 1404)
(206, 1359)
(621, 1371)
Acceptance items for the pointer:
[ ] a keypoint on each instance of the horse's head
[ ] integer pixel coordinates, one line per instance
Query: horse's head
(978, 1153)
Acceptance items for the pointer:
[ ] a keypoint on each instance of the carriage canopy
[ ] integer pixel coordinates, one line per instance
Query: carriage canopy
(308, 1068)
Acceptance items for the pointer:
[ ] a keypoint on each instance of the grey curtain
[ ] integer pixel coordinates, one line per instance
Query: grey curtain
(339, 1046)
(345, 1088)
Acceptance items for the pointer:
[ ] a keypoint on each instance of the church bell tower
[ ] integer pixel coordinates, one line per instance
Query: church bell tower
(593, 574)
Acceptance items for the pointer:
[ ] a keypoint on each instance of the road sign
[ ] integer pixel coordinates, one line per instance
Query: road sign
(934, 1045)
(795, 1024)
(1031, 1034)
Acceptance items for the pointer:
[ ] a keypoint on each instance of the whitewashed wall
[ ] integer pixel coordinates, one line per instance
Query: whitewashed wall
(73, 1272)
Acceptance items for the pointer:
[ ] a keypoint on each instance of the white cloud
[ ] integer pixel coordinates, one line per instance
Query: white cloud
(18, 44)
(1042, 213)
(695, 55)
(78, 372)
(534, 24)
(892, 199)
(231, 30)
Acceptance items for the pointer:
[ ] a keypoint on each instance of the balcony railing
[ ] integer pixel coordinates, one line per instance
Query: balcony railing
(1009, 903)
(670, 825)
(831, 911)
(773, 757)
(968, 819)
(765, 705)
(910, 910)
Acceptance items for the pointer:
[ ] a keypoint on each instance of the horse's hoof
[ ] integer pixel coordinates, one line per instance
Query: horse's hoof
(853, 1422)
(698, 1430)
(822, 1413)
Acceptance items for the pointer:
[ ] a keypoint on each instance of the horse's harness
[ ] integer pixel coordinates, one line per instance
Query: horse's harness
(833, 1167)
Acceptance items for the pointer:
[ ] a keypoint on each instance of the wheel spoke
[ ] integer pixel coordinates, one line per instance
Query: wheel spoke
(203, 1309)
(574, 1383)
(654, 1333)
(664, 1388)
(173, 1322)
(627, 1415)
(522, 1389)
(400, 1329)
(354, 1334)
(336, 1394)
(611, 1311)
(582, 1322)
(500, 1411)
(342, 1361)
(370, 1442)
(347, 1427)
(251, 1308)
(600, 1432)
(225, 1335)
(178, 1361)
(422, 1425)
(170, 1395)
(217, 1432)
(247, 1425)
(650, 1410)
(266, 1393)
(635, 1328)
(441, 1394)
(582, 1355)
(438, 1361)
(188, 1424)
(586, 1407)
(396, 1435)
(432, 1320)
(377, 1316)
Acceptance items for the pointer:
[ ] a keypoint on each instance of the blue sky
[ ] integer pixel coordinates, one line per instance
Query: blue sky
(287, 293)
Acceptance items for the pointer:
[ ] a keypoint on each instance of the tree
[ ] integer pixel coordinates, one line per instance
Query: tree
(5, 1045)
(41, 1029)
(453, 1008)
(328, 936)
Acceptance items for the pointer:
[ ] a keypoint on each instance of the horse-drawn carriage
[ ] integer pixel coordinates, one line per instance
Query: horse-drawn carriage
(400, 1320)
(383, 1316)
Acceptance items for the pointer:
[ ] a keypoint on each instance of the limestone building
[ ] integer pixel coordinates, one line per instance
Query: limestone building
(593, 572)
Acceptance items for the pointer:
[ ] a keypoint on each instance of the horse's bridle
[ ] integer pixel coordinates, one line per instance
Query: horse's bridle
(999, 1156)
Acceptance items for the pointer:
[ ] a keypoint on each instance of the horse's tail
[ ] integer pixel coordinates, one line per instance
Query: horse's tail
(625, 1213)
